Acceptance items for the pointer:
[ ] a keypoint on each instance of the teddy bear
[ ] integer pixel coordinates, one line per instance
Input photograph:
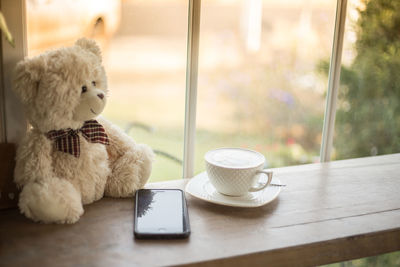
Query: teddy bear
(71, 156)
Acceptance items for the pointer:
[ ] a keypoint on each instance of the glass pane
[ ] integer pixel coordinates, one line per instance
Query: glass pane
(144, 51)
(368, 115)
(260, 84)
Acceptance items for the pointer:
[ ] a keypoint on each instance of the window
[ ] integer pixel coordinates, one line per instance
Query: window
(262, 73)
(144, 53)
(259, 86)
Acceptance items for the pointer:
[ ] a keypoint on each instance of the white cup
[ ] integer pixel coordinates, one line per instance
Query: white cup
(236, 171)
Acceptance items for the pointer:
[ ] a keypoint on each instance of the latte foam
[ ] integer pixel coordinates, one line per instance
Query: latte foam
(234, 158)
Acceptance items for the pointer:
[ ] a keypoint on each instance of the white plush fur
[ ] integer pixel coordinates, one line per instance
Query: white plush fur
(55, 184)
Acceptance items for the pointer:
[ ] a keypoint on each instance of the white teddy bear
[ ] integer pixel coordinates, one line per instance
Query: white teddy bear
(67, 158)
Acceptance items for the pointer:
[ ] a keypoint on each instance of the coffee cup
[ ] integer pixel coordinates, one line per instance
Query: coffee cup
(236, 171)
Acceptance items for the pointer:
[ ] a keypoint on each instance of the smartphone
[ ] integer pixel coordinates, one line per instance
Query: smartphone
(161, 213)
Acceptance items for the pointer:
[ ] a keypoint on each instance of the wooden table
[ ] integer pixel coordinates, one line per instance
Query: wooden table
(327, 213)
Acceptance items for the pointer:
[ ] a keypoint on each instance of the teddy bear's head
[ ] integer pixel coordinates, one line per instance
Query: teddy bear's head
(62, 88)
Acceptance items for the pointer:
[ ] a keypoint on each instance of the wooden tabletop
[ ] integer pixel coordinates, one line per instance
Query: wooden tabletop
(327, 213)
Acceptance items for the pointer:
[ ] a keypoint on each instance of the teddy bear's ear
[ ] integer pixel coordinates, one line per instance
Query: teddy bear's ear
(89, 45)
(27, 77)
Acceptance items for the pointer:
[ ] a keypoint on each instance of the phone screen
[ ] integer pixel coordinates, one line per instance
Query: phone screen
(160, 213)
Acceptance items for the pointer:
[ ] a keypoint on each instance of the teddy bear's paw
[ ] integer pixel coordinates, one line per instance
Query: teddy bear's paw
(130, 172)
(51, 201)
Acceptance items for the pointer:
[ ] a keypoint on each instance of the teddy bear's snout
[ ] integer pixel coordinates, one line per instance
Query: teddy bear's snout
(91, 105)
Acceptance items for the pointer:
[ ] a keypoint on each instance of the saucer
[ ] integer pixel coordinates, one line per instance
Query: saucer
(201, 187)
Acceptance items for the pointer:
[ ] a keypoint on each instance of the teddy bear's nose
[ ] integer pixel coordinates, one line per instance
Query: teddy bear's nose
(101, 96)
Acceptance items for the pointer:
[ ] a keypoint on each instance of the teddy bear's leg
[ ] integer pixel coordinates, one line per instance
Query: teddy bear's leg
(51, 201)
(130, 172)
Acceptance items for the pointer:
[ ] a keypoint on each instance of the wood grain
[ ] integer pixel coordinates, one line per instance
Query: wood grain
(327, 213)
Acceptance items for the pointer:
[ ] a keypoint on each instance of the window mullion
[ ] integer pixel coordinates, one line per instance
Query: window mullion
(333, 82)
(191, 87)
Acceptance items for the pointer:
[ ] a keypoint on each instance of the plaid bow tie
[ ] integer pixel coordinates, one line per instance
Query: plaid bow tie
(68, 140)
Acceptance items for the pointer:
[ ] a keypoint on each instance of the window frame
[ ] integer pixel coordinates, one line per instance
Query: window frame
(192, 64)
(328, 129)
(13, 123)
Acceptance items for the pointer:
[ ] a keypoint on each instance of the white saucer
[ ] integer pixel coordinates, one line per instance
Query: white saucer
(200, 187)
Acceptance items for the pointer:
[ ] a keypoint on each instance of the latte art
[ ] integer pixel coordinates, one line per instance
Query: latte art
(234, 158)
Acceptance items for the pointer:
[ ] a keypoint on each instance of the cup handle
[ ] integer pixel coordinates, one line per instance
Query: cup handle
(262, 186)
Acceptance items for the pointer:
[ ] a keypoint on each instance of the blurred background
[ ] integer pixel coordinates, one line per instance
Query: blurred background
(263, 71)
(263, 75)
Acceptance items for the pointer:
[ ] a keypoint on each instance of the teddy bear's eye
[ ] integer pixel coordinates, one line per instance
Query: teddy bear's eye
(94, 83)
(84, 89)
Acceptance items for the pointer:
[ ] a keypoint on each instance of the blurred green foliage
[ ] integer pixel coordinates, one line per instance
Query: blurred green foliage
(385, 260)
(368, 115)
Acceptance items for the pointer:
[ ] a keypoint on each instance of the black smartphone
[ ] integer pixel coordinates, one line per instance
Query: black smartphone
(161, 213)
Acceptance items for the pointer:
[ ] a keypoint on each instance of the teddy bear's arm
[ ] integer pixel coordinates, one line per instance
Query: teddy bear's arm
(119, 141)
(33, 159)
(130, 162)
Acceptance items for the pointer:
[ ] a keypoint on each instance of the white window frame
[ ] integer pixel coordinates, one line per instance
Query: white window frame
(13, 122)
(333, 82)
(192, 64)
